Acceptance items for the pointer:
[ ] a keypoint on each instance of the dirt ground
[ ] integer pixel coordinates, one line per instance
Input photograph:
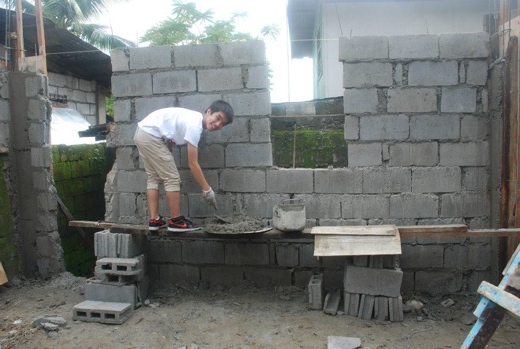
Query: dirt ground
(221, 317)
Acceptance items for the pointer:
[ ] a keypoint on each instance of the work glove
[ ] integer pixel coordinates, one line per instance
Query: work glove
(209, 196)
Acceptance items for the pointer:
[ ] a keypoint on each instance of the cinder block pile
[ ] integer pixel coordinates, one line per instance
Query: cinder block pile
(372, 288)
(120, 284)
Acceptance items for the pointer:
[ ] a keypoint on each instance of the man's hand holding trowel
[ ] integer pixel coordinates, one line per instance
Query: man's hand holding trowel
(209, 196)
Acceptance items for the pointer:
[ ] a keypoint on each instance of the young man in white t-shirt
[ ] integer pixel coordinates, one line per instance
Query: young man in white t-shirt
(155, 136)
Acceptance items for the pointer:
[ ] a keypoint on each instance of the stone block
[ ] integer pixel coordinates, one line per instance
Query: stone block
(366, 307)
(331, 302)
(464, 154)
(132, 85)
(164, 251)
(381, 308)
(219, 79)
(360, 100)
(260, 130)
(414, 154)
(260, 205)
(464, 45)
(395, 309)
(365, 154)
(286, 255)
(150, 57)
(353, 303)
(366, 75)
(315, 289)
(174, 82)
(219, 275)
(257, 103)
(249, 155)
(338, 181)
(459, 100)
(122, 110)
(351, 128)
(335, 342)
(95, 291)
(437, 283)
(243, 52)
(237, 132)
(376, 261)
(102, 312)
(372, 281)
(474, 128)
(146, 105)
(475, 178)
(178, 274)
(414, 206)
(422, 256)
(247, 254)
(387, 180)
(120, 60)
(256, 77)
(412, 100)
(263, 277)
(289, 181)
(188, 56)
(444, 73)
(243, 180)
(413, 46)
(131, 181)
(365, 206)
(436, 180)
(383, 127)
(202, 252)
(360, 48)
(477, 73)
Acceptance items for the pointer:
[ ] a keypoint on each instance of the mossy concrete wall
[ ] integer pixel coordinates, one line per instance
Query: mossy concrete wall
(79, 175)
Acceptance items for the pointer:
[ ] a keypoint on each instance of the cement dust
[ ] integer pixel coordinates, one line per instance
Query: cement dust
(236, 223)
(246, 317)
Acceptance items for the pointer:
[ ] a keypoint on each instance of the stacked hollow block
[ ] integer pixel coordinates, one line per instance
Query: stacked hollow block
(120, 284)
(372, 288)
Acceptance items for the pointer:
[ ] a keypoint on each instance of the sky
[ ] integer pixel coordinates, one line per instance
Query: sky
(291, 79)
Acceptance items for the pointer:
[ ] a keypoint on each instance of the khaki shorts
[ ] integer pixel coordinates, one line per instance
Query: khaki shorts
(158, 162)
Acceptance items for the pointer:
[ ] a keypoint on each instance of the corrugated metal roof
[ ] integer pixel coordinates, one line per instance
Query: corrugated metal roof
(66, 53)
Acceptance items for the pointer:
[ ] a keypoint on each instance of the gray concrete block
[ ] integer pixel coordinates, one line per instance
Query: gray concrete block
(464, 154)
(351, 128)
(260, 130)
(38, 110)
(290, 181)
(187, 56)
(422, 256)
(260, 205)
(243, 180)
(95, 291)
(263, 277)
(102, 312)
(202, 252)
(36, 85)
(365, 206)
(257, 103)
(132, 85)
(219, 275)
(413, 46)
(219, 79)
(212, 156)
(475, 178)
(287, 255)
(307, 259)
(198, 101)
(243, 52)
(384, 127)
(5, 111)
(477, 73)
(360, 100)
(372, 281)
(122, 266)
(387, 180)
(127, 158)
(178, 274)
(474, 128)
(131, 181)
(412, 100)
(121, 135)
(444, 73)
(354, 300)
(459, 100)
(475, 204)
(451, 205)
(376, 261)
(468, 257)
(164, 251)
(359, 261)
(365, 154)
(338, 181)
(79, 96)
(150, 57)
(256, 77)
(414, 154)
(381, 308)
(395, 309)
(41, 157)
(331, 302)
(315, 289)
(335, 342)
(174, 81)
(464, 45)
(237, 132)
(120, 60)
(414, 206)
(249, 155)
(247, 254)
(436, 180)
(437, 283)
(365, 75)
(144, 106)
(367, 307)
(363, 48)
(127, 205)
(122, 110)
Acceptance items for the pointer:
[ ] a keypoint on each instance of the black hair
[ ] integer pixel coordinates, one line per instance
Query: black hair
(220, 105)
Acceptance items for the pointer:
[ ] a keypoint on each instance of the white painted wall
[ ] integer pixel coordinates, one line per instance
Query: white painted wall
(391, 18)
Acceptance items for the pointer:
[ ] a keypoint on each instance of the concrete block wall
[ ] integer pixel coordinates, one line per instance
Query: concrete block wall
(82, 95)
(31, 176)
(418, 142)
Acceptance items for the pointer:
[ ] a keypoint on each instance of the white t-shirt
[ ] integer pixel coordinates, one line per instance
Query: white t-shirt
(177, 124)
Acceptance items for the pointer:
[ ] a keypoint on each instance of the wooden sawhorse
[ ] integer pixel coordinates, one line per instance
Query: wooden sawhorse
(494, 303)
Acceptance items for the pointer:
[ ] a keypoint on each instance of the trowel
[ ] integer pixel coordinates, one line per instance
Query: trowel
(222, 219)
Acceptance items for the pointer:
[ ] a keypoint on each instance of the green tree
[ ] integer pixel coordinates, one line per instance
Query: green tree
(188, 26)
(74, 15)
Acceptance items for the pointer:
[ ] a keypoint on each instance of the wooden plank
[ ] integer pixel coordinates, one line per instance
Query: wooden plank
(416, 231)
(433, 229)
(356, 245)
(69, 217)
(356, 230)
(3, 276)
(501, 297)
(107, 225)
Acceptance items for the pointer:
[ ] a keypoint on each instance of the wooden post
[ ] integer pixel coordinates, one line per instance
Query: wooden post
(41, 36)
(20, 53)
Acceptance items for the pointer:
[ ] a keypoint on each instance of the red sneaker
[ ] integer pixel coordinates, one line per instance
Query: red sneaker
(155, 224)
(182, 224)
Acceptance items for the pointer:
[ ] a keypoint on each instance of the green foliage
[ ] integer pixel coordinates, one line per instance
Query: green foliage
(79, 260)
(109, 108)
(190, 26)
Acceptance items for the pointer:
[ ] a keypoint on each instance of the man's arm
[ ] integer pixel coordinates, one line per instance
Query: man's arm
(193, 163)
